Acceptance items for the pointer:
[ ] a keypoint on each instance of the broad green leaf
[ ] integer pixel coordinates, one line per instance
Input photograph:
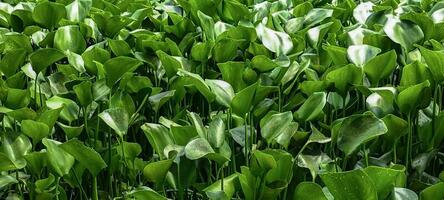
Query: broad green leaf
(381, 66)
(414, 97)
(48, 14)
(35, 130)
(435, 63)
(344, 77)
(11, 61)
(71, 131)
(433, 192)
(354, 184)
(358, 129)
(15, 149)
(70, 109)
(273, 126)
(119, 47)
(263, 63)
(69, 38)
(156, 171)
(6, 180)
(384, 179)
(158, 136)
(207, 24)
(117, 119)
(214, 191)
(87, 156)
(241, 103)
(143, 192)
(43, 58)
(361, 54)
(222, 90)
(277, 42)
(60, 161)
(197, 122)
(158, 100)
(313, 162)
(84, 93)
(403, 32)
(396, 127)
(415, 73)
(232, 73)
(198, 148)
(78, 10)
(197, 81)
(216, 132)
(116, 67)
(308, 190)
(404, 194)
(316, 15)
(312, 107)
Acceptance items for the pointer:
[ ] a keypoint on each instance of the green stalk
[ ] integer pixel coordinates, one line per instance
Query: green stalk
(394, 151)
(246, 141)
(95, 195)
(409, 141)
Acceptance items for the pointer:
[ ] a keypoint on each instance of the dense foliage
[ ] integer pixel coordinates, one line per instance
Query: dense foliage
(222, 99)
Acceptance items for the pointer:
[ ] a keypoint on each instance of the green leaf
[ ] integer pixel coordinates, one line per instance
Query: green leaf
(42, 58)
(87, 156)
(70, 109)
(216, 132)
(232, 74)
(344, 77)
(35, 130)
(361, 54)
(78, 10)
(404, 194)
(403, 32)
(313, 162)
(84, 93)
(207, 24)
(435, 62)
(381, 66)
(199, 83)
(144, 192)
(48, 14)
(396, 127)
(277, 42)
(273, 126)
(312, 107)
(414, 97)
(11, 61)
(214, 191)
(158, 136)
(15, 149)
(198, 148)
(263, 63)
(384, 179)
(119, 47)
(353, 184)
(242, 101)
(433, 192)
(222, 90)
(117, 119)
(116, 67)
(158, 100)
(69, 38)
(60, 161)
(308, 190)
(156, 171)
(358, 129)
(317, 15)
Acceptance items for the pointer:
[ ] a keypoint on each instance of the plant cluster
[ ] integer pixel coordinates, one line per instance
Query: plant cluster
(222, 99)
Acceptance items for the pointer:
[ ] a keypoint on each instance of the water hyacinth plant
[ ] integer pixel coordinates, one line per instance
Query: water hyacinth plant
(222, 99)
